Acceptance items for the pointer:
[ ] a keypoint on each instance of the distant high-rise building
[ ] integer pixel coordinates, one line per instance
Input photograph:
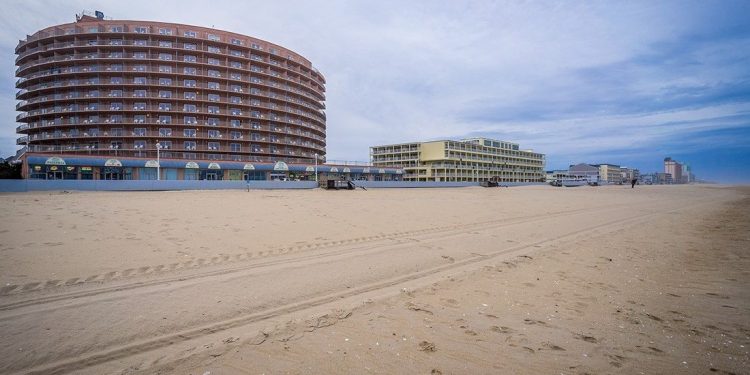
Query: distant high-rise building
(673, 168)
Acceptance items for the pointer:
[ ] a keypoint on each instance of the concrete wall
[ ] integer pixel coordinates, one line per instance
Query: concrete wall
(104, 185)
(135, 185)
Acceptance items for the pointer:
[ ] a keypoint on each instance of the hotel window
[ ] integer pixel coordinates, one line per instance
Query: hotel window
(190, 46)
(236, 42)
(235, 53)
(140, 42)
(139, 119)
(213, 109)
(139, 93)
(255, 114)
(115, 93)
(213, 61)
(165, 69)
(213, 97)
(214, 134)
(139, 68)
(254, 68)
(214, 73)
(235, 100)
(235, 147)
(140, 29)
(115, 29)
(165, 94)
(255, 125)
(189, 83)
(115, 106)
(256, 46)
(165, 43)
(213, 37)
(139, 55)
(139, 132)
(213, 85)
(166, 145)
(165, 132)
(189, 58)
(93, 93)
(139, 80)
(236, 76)
(213, 145)
(190, 95)
(115, 42)
(190, 120)
(254, 102)
(255, 91)
(189, 70)
(235, 112)
(115, 80)
(212, 121)
(256, 57)
(189, 108)
(235, 123)
(190, 34)
(189, 133)
(164, 120)
(165, 31)
(165, 56)
(165, 81)
(165, 106)
(213, 49)
(115, 119)
(235, 88)
(189, 145)
(235, 135)
(256, 80)
(235, 64)
(139, 106)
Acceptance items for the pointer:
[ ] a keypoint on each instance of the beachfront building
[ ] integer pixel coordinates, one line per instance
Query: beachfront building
(556, 175)
(472, 159)
(610, 173)
(674, 169)
(629, 174)
(584, 171)
(116, 99)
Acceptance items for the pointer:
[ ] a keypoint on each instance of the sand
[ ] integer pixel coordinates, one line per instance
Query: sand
(468, 281)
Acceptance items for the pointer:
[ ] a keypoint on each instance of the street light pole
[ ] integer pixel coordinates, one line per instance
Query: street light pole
(158, 161)
(316, 167)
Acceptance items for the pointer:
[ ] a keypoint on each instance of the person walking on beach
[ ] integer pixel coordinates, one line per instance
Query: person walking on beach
(632, 182)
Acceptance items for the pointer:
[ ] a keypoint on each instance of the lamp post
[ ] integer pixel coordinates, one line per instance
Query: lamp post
(158, 161)
(316, 167)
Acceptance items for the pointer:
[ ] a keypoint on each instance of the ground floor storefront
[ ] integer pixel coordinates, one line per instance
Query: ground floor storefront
(47, 167)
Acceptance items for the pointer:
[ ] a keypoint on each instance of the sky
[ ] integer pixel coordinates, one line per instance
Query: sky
(621, 82)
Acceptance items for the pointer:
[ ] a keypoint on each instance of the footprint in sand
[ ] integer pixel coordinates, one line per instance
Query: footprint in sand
(504, 330)
(531, 321)
(450, 302)
(587, 338)
(551, 346)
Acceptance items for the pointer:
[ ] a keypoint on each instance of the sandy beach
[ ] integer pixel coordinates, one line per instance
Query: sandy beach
(429, 281)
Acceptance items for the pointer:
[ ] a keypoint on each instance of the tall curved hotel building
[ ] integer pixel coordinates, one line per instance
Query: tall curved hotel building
(100, 98)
